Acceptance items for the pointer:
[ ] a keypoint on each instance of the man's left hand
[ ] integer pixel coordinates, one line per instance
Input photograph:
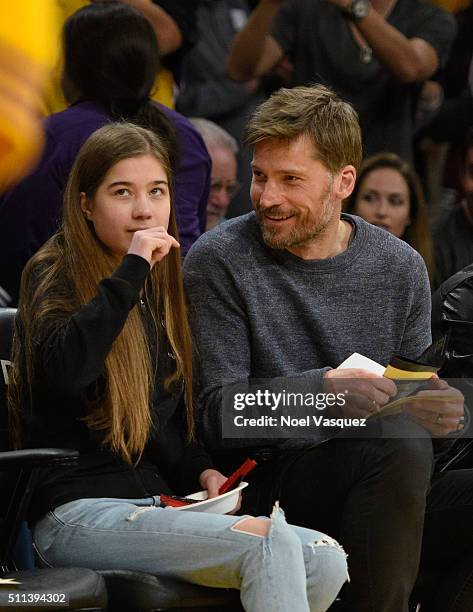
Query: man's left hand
(440, 416)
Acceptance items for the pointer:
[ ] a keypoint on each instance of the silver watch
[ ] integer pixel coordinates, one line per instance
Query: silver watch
(358, 9)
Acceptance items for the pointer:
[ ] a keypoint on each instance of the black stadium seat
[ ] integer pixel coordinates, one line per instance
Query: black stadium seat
(83, 588)
(128, 591)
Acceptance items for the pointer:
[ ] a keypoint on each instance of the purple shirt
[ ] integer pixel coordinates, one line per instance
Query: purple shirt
(31, 212)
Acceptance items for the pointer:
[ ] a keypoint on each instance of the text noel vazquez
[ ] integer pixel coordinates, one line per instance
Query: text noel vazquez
(288, 421)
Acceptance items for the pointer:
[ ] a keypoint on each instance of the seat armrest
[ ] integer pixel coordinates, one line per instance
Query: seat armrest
(38, 457)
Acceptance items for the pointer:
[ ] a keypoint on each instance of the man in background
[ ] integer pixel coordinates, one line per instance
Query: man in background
(373, 53)
(223, 150)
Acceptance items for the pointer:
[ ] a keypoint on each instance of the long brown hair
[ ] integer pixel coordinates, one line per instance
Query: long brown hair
(418, 234)
(63, 276)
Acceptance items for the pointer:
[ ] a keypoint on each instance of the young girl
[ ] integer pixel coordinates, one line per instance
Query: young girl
(103, 364)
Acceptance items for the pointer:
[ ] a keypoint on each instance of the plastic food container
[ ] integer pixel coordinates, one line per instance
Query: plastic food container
(218, 505)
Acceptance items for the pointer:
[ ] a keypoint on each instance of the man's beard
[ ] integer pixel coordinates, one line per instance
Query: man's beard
(303, 232)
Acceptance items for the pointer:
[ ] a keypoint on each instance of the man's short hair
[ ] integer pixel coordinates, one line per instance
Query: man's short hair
(316, 111)
(214, 135)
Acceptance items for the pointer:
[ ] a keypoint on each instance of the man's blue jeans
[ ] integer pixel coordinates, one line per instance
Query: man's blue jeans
(291, 568)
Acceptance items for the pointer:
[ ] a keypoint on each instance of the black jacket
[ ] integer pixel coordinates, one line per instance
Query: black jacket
(68, 363)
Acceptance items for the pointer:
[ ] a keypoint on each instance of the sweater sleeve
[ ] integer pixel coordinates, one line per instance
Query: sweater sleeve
(69, 356)
(417, 334)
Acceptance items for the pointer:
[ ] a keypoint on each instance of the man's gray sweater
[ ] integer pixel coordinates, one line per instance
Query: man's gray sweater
(257, 312)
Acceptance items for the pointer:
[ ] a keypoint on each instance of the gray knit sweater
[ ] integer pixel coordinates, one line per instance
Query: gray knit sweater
(261, 313)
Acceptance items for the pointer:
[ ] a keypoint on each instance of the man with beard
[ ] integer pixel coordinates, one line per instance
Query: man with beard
(288, 292)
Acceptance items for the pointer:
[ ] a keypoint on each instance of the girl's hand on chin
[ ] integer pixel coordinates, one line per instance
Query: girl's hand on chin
(153, 244)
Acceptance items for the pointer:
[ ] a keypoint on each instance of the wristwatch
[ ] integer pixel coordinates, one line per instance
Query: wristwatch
(358, 9)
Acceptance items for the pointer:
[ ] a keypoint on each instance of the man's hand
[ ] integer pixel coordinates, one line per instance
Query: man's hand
(440, 416)
(284, 70)
(366, 392)
(153, 244)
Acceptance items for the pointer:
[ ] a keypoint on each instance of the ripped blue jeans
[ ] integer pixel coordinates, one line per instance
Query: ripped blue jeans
(291, 568)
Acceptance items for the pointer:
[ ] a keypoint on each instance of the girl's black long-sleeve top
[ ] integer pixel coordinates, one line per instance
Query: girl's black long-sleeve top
(68, 362)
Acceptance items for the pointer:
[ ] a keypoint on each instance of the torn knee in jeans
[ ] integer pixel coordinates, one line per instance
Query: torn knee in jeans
(273, 531)
(327, 541)
(261, 526)
(252, 526)
(277, 518)
(136, 513)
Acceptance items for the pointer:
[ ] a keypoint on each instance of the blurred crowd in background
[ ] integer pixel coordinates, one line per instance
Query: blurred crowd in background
(407, 68)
